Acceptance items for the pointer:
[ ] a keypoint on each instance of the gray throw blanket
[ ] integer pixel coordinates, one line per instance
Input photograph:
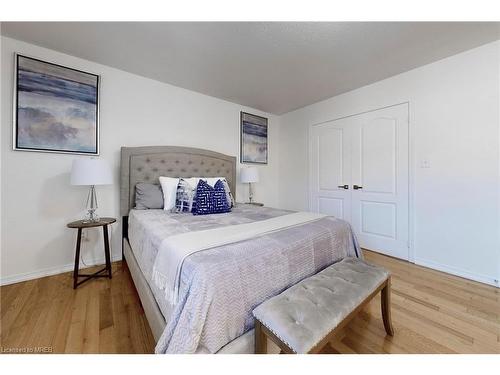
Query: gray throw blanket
(221, 286)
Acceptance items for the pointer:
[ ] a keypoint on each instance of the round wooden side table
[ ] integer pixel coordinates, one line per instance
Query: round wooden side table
(81, 224)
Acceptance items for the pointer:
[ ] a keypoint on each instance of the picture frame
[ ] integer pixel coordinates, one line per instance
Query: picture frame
(254, 146)
(55, 108)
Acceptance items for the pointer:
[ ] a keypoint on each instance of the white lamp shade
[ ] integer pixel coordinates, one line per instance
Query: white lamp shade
(91, 172)
(250, 174)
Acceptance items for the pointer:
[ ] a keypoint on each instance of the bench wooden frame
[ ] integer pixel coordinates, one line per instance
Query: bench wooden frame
(262, 333)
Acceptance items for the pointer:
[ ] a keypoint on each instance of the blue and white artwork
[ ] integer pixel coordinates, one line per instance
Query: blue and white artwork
(253, 139)
(56, 108)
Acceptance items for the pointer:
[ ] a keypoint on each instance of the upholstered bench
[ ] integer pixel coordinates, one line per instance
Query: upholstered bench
(305, 317)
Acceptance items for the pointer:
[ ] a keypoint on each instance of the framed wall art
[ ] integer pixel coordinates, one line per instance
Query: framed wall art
(253, 145)
(56, 108)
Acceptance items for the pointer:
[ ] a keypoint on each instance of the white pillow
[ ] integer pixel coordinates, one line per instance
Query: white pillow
(169, 189)
(193, 181)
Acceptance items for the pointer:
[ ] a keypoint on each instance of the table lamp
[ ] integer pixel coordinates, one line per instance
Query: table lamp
(91, 172)
(250, 175)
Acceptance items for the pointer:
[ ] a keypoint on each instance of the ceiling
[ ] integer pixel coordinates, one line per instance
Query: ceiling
(272, 66)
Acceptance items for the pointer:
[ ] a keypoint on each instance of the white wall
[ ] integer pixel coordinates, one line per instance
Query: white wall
(36, 198)
(454, 123)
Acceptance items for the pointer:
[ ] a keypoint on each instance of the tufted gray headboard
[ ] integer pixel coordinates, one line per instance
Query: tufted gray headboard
(146, 164)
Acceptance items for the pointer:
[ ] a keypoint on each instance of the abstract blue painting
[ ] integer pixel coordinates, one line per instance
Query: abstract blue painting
(253, 139)
(56, 108)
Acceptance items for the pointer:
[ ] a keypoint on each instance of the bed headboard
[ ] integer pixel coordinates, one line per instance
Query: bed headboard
(146, 164)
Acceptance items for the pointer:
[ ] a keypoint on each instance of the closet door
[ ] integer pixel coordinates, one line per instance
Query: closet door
(380, 180)
(330, 169)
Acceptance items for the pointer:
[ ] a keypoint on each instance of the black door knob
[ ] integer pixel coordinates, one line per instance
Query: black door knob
(356, 187)
(343, 186)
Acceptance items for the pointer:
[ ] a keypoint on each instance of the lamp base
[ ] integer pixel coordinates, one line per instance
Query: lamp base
(91, 216)
(250, 193)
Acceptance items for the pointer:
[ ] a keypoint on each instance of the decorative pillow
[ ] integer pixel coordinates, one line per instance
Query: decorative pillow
(169, 189)
(211, 200)
(229, 196)
(185, 200)
(148, 196)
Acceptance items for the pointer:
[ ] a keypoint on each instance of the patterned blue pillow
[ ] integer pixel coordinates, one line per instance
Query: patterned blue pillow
(185, 200)
(211, 200)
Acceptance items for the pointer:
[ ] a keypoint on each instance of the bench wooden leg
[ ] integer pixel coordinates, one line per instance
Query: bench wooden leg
(260, 339)
(386, 308)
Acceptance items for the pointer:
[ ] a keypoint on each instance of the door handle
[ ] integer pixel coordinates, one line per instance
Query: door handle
(356, 187)
(343, 187)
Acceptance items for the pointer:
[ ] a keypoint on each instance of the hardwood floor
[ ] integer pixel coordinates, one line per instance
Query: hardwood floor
(432, 312)
(101, 316)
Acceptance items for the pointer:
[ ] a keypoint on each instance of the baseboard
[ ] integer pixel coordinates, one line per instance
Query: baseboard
(53, 271)
(458, 272)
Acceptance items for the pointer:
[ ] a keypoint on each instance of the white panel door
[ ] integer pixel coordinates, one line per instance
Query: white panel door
(368, 154)
(380, 180)
(331, 169)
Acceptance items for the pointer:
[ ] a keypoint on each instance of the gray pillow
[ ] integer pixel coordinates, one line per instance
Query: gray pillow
(148, 196)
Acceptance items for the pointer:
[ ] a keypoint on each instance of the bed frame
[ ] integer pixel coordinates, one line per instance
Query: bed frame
(147, 164)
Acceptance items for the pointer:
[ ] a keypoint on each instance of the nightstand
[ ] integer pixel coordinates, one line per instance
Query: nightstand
(82, 224)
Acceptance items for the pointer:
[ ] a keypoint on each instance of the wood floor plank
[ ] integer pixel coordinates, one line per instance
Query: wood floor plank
(337, 347)
(460, 327)
(9, 294)
(76, 332)
(11, 311)
(19, 332)
(66, 305)
(92, 322)
(409, 340)
(451, 308)
(47, 318)
(120, 316)
(433, 312)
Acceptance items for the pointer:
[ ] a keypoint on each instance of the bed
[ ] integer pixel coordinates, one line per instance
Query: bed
(217, 288)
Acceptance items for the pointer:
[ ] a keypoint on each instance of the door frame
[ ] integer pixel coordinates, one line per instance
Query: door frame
(411, 170)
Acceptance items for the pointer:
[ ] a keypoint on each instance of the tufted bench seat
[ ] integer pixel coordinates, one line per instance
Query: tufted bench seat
(305, 317)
